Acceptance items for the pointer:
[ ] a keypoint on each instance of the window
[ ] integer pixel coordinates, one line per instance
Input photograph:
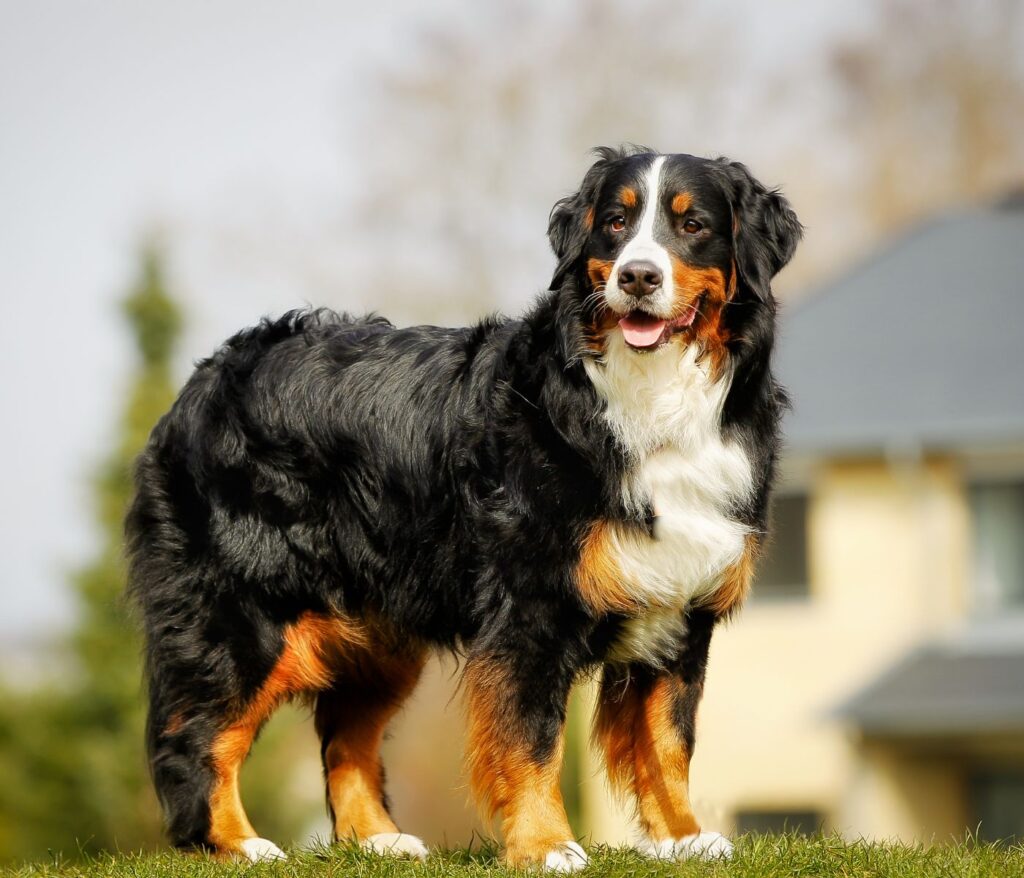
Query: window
(997, 802)
(998, 519)
(805, 822)
(782, 572)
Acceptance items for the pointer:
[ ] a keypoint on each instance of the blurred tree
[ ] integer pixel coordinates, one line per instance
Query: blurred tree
(103, 647)
(71, 753)
(484, 121)
(934, 103)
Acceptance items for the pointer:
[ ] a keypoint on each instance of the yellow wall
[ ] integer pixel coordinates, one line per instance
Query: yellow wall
(904, 795)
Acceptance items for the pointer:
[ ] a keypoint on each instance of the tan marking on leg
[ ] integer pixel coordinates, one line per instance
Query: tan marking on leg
(354, 718)
(645, 754)
(229, 825)
(313, 645)
(598, 577)
(736, 581)
(505, 776)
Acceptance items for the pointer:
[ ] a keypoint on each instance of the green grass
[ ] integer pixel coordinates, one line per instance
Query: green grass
(756, 856)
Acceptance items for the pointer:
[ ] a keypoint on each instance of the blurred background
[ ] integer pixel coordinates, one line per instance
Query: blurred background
(171, 172)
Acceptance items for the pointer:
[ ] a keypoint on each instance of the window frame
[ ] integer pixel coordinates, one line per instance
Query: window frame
(981, 777)
(809, 820)
(987, 599)
(780, 592)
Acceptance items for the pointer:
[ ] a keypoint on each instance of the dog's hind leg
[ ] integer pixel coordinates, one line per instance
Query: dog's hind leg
(230, 829)
(196, 755)
(306, 664)
(312, 648)
(351, 719)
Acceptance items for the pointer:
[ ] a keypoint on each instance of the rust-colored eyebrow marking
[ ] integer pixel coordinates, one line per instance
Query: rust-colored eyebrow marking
(628, 196)
(681, 203)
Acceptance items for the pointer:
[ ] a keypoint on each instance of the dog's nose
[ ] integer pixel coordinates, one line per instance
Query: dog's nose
(639, 278)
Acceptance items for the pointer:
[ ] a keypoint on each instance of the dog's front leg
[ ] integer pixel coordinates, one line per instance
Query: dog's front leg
(646, 722)
(516, 704)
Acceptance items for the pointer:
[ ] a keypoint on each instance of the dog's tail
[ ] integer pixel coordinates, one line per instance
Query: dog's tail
(185, 696)
(178, 747)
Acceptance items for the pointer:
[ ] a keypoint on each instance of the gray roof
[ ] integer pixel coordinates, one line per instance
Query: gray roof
(922, 346)
(944, 689)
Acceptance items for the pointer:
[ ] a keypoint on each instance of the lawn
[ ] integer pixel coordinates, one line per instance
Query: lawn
(756, 856)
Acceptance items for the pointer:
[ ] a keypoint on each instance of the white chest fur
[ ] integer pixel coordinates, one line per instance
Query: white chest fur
(665, 410)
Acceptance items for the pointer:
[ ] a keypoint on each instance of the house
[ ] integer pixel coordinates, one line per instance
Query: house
(874, 684)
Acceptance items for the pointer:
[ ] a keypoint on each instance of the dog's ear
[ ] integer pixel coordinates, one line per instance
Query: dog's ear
(765, 228)
(572, 218)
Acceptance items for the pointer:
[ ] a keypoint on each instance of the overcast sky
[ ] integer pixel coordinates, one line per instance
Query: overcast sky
(120, 117)
(116, 116)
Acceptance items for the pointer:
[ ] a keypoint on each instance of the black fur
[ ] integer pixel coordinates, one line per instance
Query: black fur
(439, 479)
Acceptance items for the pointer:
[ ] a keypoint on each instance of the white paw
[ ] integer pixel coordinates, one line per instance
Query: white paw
(701, 845)
(259, 850)
(396, 844)
(567, 857)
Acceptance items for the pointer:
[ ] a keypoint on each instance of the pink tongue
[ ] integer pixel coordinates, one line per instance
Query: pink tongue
(641, 332)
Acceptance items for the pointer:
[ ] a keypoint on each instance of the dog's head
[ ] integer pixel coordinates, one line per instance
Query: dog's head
(658, 244)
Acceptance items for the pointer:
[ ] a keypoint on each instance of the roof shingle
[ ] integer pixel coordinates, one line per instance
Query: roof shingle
(921, 347)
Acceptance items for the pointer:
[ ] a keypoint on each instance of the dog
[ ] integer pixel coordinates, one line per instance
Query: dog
(584, 488)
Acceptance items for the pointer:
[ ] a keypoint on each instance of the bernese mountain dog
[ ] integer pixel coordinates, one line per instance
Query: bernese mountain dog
(585, 488)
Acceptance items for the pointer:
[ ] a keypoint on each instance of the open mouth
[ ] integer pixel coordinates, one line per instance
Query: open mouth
(645, 332)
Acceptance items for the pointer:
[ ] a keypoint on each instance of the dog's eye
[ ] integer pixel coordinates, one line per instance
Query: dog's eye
(692, 227)
(617, 223)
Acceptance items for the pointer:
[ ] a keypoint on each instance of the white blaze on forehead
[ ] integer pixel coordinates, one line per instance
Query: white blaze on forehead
(642, 246)
(644, 237)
